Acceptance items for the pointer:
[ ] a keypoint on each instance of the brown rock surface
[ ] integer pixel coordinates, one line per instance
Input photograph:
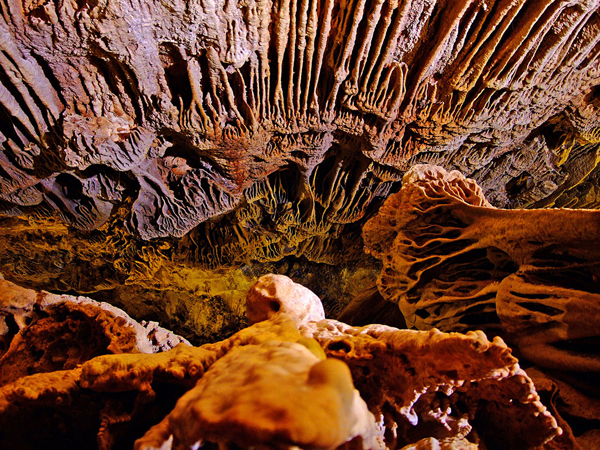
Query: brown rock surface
(454, 262)
(254, 388)
(43, 332)
(163, 155)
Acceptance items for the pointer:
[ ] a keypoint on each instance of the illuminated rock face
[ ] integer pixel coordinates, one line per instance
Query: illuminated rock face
(146, 148)
(145, 145)
(43, 332)
(285, 382)
(454, 262)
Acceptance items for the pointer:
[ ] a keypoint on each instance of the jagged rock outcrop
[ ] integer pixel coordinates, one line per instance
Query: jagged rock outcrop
(414, 387)
(569, 404)
(42, 332)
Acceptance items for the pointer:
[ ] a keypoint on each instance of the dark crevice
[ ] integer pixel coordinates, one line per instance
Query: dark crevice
(480, 319)
(587, 345)
(339, 346)
(533, 296)
(540, 307)
(175, 68)
(8, 336)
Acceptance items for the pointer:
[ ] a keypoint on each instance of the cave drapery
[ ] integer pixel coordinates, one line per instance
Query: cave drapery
(195, 145)
(162, 155)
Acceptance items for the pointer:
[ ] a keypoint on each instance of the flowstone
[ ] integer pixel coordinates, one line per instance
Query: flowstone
(454, 262)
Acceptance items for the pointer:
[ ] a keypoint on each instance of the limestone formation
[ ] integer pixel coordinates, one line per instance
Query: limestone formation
(43, 332)
(568, 403)
(162, 155)
(276, 395)
(269, 129)
(453, 262)
(445, 444)
(147, 148)
(275, 293)
(285, 382)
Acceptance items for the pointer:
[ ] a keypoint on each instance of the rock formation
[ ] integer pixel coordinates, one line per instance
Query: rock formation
(413, 388)
(454, 262)
(43, 332)
(263, 130)
(162, 155)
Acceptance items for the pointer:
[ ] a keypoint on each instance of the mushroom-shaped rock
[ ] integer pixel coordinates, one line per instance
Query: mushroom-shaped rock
(453, 262)
(278, 395)
(273, 294)
(437, 266)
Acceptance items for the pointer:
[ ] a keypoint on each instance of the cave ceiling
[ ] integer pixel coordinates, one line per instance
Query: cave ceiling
(162, 154)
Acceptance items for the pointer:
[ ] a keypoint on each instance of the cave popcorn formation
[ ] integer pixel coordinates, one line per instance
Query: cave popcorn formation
(292, 379)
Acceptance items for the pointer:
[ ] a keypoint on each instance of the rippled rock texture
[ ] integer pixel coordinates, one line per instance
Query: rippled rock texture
(454, 262)
(164, 154)
(146, 144)
(263, 129)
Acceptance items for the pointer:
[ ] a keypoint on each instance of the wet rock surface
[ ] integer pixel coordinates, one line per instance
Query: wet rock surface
(162, 155)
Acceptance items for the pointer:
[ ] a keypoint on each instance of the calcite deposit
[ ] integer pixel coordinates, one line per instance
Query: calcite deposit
(453, 261)
(277, 293)
(43, 332)
(163, 155)
(290, 381)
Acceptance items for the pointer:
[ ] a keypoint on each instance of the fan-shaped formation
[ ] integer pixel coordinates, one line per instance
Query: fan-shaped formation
(162, 155)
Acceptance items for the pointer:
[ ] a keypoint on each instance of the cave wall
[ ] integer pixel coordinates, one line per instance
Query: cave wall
(148, 149)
